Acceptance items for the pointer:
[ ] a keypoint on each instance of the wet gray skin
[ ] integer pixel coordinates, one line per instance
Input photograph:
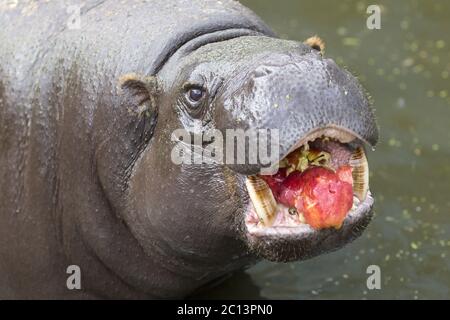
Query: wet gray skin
(86, 125)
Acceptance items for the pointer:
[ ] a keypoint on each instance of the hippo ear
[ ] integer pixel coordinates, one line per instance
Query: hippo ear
(316, 43)
(141, 94)
(139, 97)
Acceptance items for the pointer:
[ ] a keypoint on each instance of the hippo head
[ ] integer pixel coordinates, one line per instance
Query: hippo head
(209, 216)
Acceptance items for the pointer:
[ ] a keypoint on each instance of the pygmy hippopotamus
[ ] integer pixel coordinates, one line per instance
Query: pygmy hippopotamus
(89, 104)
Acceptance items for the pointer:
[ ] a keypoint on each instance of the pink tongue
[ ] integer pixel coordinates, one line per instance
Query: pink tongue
(322, 195)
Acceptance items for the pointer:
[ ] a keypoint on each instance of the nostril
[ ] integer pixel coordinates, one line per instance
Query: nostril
(261, 72)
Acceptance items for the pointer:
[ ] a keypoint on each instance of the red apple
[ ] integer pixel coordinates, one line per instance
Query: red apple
(322, 195)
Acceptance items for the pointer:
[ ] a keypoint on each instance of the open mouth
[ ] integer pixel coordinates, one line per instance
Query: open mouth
(322, 183)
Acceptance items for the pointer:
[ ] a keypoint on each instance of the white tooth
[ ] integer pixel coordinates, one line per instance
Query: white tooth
(262, 199)
(360, 173)
(356, 202)
(301, 218)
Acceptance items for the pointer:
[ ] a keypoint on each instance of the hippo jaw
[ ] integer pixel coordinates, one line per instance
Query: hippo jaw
(284, 234)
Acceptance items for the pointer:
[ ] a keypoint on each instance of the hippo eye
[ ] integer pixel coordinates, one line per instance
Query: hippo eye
(194, 97)
(195, 94)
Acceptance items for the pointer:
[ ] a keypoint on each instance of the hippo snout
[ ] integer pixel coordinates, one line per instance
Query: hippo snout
(292, 95)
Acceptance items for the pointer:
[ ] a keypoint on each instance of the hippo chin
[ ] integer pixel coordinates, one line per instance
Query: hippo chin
(86, 137)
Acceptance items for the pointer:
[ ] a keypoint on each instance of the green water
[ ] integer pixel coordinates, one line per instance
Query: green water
(405, 67)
